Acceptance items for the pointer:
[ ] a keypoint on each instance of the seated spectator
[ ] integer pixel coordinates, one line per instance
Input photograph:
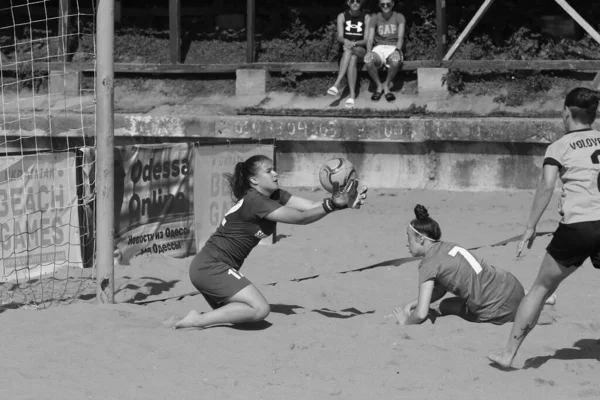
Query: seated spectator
(352, 30)
(384, 48)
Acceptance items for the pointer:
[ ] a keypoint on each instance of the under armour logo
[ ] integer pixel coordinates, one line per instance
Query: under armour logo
(357, 26)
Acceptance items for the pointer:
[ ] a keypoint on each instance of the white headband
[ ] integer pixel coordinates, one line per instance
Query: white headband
(420, 234)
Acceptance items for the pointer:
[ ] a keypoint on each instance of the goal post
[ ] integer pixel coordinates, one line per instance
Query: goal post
(105, 157)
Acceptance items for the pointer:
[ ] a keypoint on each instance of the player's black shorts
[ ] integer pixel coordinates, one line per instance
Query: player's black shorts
(572, 244)
(216, 280)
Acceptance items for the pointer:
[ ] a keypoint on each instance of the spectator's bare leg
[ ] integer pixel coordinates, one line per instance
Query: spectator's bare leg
(352, 74)
(373, 70)
(344, 63)
(391, 74)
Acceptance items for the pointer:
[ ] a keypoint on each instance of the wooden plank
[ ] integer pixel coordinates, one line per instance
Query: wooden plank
(182, 69)
(557, 65)
(442, 29)
(175, 30)
(484, 7)
(250, 29)
(596, 82)
(63, 30)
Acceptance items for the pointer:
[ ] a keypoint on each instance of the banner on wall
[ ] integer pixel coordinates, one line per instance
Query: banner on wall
(39, 220)
(213, 200)
(154, 200)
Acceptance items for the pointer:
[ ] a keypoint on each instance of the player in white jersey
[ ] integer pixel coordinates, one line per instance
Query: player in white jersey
(575, 159)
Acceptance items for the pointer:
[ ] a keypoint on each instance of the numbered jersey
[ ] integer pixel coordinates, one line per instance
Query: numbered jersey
(577, 156)
(244, 226)
(456, 270)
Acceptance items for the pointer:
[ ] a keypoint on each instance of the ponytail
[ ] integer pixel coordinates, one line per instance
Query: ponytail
(239, 180)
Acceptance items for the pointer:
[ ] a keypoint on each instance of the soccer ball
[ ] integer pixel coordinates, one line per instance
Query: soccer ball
(336, 170)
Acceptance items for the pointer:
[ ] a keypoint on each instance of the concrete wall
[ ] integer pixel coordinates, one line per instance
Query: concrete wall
(437, 153)
(435, 165)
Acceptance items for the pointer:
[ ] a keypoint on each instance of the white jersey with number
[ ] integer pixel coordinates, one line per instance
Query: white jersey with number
(577, 156)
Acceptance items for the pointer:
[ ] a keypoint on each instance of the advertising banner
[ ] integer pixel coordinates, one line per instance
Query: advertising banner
(39, 221)
(154, 200)
(213, 198)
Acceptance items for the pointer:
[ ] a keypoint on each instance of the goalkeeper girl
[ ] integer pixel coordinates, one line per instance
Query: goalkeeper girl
(483, 293)
(260, 204)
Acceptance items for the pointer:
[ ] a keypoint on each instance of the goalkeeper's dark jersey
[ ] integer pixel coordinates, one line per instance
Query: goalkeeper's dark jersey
(244, 226)
(454, 269)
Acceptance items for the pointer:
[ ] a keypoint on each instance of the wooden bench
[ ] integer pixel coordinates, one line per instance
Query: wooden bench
(74, 71)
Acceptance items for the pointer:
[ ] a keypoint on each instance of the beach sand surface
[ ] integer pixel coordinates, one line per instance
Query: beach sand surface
(332, 286)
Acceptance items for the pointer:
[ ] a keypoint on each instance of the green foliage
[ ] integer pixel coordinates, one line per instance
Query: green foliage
(524, 87)
(421, 34)
(479, 48)
(299, 44)
(454, 81)
(135, 45)
(291, 81)
(289, 77)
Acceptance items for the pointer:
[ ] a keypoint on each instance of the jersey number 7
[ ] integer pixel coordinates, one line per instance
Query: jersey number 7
(468, 256)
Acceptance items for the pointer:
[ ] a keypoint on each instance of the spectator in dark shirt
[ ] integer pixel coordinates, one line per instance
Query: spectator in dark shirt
(352, 32)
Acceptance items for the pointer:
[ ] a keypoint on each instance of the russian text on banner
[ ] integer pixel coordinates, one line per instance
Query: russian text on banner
(154, 200)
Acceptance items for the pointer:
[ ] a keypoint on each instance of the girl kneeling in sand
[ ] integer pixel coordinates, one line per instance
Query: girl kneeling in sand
(260, 204)
(483, 292)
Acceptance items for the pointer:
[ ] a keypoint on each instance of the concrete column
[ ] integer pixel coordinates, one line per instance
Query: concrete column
(431, 82)
(61, 81)
(251, 82)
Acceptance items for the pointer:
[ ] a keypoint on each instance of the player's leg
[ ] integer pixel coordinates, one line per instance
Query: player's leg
(248, 305)
(344, 63)
(230, 294)
(455, 306)
(550, 275)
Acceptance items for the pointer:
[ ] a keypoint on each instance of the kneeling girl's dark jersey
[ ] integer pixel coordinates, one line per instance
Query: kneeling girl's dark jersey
(243, 227)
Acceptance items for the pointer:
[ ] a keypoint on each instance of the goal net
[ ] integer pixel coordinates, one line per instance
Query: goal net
(47, 121)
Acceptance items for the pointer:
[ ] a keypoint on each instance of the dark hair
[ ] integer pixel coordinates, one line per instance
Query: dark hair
(583, 104)
(426, 225)
(239, 181)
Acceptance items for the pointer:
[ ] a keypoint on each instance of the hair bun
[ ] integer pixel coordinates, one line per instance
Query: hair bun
(421, 212)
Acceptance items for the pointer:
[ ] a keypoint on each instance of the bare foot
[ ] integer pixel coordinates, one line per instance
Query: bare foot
(191, 320)
(501, 358)
(550, 301)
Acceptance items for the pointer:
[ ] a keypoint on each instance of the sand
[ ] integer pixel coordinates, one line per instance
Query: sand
(330, 335)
